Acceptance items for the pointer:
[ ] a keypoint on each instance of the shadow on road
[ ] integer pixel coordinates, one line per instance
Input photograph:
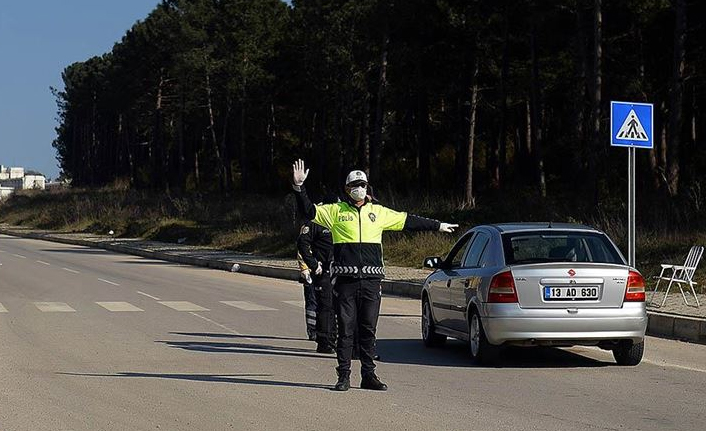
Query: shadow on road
(455, 354)
(244, 348)
(211, 378)
(78, 250)
(236, 336)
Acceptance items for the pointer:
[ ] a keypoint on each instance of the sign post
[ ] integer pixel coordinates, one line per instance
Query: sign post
(631, 127)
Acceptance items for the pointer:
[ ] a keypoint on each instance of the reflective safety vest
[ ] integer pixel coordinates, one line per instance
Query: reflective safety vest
(357, 236)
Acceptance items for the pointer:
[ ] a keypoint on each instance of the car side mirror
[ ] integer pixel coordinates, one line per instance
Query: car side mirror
(433, 262)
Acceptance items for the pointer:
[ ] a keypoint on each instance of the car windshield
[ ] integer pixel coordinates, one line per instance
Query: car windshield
(558, 246)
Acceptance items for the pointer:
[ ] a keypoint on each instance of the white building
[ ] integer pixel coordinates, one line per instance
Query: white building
(11, 173)
(14, 178)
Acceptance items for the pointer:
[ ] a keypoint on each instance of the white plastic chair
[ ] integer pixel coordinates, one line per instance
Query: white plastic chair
(683, 274)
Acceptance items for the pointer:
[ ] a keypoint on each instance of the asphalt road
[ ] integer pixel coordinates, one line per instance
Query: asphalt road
(92, 340)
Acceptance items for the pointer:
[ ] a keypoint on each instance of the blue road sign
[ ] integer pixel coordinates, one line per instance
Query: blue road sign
(631, 125)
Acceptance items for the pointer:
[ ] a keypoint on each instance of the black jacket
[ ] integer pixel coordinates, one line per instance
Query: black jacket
(314, 245)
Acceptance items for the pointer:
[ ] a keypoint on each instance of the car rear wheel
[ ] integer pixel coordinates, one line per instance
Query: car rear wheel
(628, 353)
(482, 352)
(429, 335)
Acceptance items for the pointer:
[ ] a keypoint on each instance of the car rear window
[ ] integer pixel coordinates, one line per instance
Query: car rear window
(558, 246)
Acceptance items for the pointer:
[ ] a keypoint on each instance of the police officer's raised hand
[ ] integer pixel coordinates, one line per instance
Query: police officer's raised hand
(319, 269)
(447, 227)
(299, 174)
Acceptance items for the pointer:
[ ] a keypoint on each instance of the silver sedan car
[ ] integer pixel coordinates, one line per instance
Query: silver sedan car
(532, 284)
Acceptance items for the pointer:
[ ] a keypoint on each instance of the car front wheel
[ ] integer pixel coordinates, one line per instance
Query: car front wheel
(482, 352)
(629, 353)
(429, 335)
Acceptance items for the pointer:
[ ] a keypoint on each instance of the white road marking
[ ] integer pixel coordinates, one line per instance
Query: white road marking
(183, 306)
(220, 326)
(119, 306)
(299, 304)
(2, 309)
(681, 367)
(249, 306)
(109, 282)
(53, 307)
(3, 251)
(20, 256)
(71, 270)
(44, 263)
(148, 295)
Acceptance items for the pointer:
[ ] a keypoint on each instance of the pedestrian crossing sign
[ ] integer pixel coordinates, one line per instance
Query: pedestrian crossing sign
(631, 124)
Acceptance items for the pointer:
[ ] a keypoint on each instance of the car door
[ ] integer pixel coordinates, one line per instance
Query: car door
(439, 282)
(464, 285)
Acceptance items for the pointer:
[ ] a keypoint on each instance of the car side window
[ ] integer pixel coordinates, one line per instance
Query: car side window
(478, 246)
(455, 257)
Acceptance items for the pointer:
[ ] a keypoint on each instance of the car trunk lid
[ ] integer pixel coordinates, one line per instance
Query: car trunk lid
(570, 285)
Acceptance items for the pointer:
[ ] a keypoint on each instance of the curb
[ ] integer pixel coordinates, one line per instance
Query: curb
(664, 325)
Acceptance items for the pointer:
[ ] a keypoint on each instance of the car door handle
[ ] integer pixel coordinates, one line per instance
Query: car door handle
(448, 283)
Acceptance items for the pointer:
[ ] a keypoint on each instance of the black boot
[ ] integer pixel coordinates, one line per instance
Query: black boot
(344, 381)
(371, 381)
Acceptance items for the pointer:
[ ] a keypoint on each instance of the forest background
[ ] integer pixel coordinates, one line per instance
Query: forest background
(468, 111)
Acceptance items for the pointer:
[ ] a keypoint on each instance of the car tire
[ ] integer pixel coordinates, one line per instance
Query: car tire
(429, 335)
(482, 352)
(628, 353)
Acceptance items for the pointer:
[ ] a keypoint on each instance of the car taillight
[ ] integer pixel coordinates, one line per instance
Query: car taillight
(635, 288)
(502, 288)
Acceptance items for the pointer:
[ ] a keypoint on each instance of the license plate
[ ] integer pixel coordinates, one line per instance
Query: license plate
(572, 293)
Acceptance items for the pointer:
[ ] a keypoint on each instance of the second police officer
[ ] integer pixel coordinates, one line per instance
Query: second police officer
(315, 248)
(356, 226)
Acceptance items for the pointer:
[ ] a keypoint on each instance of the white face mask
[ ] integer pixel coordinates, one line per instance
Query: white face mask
(358, 193)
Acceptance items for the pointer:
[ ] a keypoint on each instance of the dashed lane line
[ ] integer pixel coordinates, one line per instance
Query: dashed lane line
(299, 304)
(108, 281)
(54, 307)
(183, 306)
(148, 295)
(71, 270)
(3, 309)
(248, 306)
(213, 322)
(119, 306)
(19, 255)
(44, 263)
(680, 367)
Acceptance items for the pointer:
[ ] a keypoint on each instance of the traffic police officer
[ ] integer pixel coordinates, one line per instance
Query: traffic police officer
(315, 247)
(356, 225)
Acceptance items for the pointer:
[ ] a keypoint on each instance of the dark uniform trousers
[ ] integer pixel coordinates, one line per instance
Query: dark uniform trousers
(358, 303)
(325, 315)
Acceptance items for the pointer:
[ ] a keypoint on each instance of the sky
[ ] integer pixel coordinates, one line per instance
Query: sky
(38, 39)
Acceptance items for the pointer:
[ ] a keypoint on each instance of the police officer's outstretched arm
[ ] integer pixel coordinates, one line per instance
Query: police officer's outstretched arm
(306, 207)
(394, 220)
(299, 174)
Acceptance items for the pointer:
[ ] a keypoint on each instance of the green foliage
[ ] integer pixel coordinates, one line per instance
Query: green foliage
(219, 96)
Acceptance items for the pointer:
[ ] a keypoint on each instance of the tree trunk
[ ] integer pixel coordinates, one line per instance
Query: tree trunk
(497, 152)
(376, 143)
(220, 172)
(225, 166)
(180, 138)
(676, 91)
(595, 92)
(469, 200)
(535, 126)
